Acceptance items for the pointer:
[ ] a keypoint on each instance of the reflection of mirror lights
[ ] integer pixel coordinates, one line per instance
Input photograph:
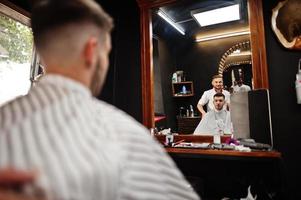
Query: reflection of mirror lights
(217, 16)
(171, 22)
(214, 37)
(244, 53)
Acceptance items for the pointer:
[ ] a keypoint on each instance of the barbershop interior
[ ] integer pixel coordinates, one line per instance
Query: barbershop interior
(216, 83)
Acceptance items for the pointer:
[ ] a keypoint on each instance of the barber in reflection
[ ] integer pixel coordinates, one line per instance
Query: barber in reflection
(207, 97)
(216, 121)
(241, 87)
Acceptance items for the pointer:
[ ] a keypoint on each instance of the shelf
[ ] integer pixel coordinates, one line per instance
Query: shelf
(182, 89)
(185, 117)
(183, 95)
(185, 82)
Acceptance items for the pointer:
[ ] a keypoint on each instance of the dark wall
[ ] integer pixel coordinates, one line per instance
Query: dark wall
(167, 68)
(286, 113)
(123, 85)
(158, 97)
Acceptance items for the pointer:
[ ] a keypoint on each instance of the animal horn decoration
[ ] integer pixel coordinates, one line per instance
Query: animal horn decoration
(286, 23)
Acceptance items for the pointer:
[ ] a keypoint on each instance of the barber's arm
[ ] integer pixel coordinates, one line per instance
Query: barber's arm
(203, 101)
(228, 106)
(228, 103)
(201, 109)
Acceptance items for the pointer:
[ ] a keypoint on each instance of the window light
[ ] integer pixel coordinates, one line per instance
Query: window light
(171, 22)
(217, 16)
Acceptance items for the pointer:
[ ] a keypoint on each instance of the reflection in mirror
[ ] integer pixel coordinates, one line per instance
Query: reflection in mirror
(187, 53)
(236, 68)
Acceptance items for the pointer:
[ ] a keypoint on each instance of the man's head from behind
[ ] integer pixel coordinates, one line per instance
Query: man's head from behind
(219, 101)
(73, 39)
(217, 82)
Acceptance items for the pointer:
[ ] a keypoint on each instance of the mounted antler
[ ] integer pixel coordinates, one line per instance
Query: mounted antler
(286, 23)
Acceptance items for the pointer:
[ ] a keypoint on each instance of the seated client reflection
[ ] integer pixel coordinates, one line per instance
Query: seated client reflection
(216, 121)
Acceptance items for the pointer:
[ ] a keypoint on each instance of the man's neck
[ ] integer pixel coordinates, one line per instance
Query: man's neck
(218, 90)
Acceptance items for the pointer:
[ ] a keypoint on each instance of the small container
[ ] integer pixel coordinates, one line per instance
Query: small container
(169, 139)
(182, 112)
(187, 113)
(179, 76)
(217, 139)
(174, 77)
(184, 90)
(191, 111)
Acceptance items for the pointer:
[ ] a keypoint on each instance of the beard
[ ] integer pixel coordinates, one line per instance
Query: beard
(98, 79)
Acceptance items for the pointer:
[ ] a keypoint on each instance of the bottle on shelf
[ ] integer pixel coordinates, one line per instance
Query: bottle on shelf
(174, 77)
(184, 90)
(191, 111)
(179, 76)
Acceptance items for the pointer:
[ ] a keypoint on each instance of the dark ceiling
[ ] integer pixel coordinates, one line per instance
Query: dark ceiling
(181, 14)
(24, 4)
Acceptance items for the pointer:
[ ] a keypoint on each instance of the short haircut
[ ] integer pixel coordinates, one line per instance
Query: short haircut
(217, 76)
(219, 95)
(48, 15)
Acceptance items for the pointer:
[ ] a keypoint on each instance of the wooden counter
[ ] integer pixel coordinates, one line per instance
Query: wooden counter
(213, 152)
(191, 138)
(217, 152)
(216, 173)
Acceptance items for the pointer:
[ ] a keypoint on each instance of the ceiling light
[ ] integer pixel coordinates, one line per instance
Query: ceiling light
(217, 16)
(171, 22)
(214, 37)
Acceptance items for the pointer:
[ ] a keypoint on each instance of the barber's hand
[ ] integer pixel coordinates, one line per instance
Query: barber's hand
(11, 178)
(12, 181)
(8, 195)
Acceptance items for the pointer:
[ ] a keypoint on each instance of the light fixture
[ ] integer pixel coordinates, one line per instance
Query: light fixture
(238, 54)
(214, 37)
(217, 16)
(171, 22)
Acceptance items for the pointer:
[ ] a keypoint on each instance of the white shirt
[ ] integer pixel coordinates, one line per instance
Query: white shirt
(242, 88)
(85, 149)
(214, 122)
(207, 98)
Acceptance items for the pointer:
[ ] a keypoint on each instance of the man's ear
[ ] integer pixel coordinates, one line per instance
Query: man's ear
(90, 51)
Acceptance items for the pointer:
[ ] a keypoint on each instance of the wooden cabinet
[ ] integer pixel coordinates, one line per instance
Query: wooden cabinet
(182, 89)
(187, 125)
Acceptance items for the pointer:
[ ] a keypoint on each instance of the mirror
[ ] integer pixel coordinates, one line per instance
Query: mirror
(236, 68)
(150, 47)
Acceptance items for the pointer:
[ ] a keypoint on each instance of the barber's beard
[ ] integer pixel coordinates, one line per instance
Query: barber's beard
(97, 80)
(218, 107)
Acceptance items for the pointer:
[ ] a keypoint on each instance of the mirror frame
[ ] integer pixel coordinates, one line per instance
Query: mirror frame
(257, 38)
(222, 63)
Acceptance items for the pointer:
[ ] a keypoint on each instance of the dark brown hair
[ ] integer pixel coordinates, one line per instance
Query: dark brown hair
(51, 14)
(219, 95)
(216, 76)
